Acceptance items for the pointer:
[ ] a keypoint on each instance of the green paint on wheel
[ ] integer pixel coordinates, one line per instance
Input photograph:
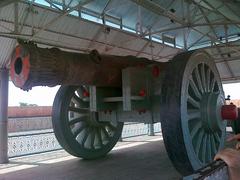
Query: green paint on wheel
(191, 101)
(78, 130)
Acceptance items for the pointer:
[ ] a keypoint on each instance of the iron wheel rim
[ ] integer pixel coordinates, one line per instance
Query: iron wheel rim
(68, 127)
(201, 79)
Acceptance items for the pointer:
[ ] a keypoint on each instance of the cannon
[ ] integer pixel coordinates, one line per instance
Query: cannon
(101, 92)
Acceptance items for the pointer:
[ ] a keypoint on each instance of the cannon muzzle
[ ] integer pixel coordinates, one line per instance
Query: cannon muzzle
(34, 66)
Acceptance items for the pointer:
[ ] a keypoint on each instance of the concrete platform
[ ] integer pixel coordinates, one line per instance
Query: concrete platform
(137, 158)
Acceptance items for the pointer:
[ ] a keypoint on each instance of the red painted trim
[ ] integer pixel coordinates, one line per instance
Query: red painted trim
(20, 79)
(229, 112)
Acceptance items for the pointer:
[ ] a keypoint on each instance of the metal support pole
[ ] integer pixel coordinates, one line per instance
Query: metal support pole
(3, 115)
(151, 129)
(139, 28)
(16, 17)
(151, 43)
(226, 33)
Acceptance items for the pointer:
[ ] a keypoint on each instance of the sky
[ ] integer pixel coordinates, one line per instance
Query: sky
(233, 90)
(44, 96)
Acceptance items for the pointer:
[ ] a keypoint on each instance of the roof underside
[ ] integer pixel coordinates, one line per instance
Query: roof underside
(156, 29)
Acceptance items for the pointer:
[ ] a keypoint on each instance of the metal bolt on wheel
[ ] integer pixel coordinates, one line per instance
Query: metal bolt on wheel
(191, 101)
(78, 130)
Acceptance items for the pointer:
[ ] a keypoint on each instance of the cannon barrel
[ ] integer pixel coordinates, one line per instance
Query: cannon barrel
(34, 66)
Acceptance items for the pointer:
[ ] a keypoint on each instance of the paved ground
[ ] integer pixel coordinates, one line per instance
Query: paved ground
(139, 158)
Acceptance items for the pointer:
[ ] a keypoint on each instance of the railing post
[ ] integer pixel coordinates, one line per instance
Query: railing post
(3, 115)
(151, 129)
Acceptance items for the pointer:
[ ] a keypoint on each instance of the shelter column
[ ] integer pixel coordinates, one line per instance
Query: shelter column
(4, 115)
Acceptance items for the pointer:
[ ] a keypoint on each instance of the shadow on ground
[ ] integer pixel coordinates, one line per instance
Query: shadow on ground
(148, 161)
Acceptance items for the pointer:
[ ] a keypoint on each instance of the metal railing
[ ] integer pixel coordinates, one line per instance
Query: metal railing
(39, 141)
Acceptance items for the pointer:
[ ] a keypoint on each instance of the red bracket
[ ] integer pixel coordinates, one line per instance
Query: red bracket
(86, 93)
(229, 112)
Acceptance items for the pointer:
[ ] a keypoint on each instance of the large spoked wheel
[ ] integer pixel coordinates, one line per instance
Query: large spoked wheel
(191, 101)
(78, 130)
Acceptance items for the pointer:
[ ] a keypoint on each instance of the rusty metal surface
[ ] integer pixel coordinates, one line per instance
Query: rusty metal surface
(34, 66)
(216, 170)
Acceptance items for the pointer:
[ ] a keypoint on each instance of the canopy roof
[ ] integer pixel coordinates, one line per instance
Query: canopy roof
(156, 29)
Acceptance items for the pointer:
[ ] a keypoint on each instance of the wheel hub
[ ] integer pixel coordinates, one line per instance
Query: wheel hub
(211, 104)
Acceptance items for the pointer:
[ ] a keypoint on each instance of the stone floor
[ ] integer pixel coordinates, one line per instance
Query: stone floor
(137, 158)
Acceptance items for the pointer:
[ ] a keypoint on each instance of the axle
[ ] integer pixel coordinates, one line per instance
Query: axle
(34, 66)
